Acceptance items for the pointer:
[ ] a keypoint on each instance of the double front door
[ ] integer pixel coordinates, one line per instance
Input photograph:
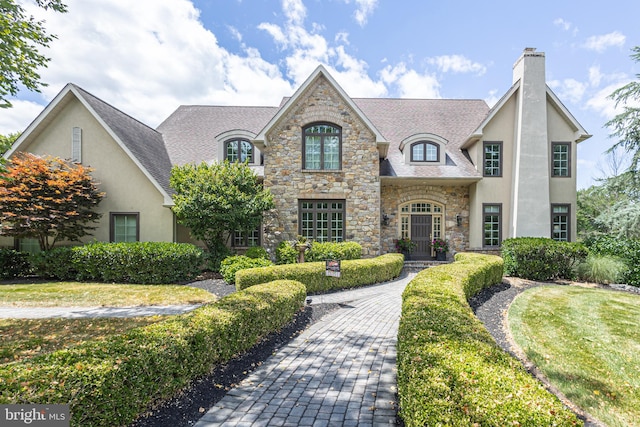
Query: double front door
(421, 236)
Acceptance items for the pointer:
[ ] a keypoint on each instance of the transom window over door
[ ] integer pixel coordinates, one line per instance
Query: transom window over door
(322, 220)
(322, 147)
(238, 150)
(425, 152)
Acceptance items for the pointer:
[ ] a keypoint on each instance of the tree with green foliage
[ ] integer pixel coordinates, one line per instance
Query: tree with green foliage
(21, 37)
(48, 199)
(625, 126)
(6, 141)
(215, 200)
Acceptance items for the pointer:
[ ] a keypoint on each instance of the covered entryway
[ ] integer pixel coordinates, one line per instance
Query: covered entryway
(421, 221)
(421, 236)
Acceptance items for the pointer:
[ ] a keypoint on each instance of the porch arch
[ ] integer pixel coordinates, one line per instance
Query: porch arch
(421, 221)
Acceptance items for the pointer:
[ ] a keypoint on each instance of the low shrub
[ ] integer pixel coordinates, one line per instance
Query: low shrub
(627, 250)
(57, 263)
(257, 252)
(321, 251)
(286, 253)
(450, 370)
(539, 258)
(231, 265)
(605, 269)
(111, 382)
(313, 274)
(137, 262)
(13, 264)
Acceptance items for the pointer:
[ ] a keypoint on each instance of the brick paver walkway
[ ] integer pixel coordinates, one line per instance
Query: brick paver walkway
(340, 372)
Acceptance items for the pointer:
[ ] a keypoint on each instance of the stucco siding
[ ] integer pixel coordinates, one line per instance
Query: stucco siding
(127, 188)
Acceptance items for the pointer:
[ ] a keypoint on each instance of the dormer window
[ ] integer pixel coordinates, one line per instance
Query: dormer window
(424, 151)
(238, 150)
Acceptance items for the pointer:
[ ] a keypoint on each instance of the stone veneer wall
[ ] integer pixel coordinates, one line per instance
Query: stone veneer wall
(357, 183)
(454, 199)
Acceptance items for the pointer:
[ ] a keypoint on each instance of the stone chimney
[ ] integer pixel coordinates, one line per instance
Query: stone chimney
(531, 216)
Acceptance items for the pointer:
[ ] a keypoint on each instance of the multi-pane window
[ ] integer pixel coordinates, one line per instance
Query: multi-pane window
(125, 227)
(492, 162)
(246, 239)
(322, 220)
(492, 221)
(322, 147)
(561, 159)
(238, 150)
(560, 222)
(424, 152)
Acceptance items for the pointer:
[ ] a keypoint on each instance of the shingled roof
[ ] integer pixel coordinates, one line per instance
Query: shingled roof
(190, 132)
(451, 119)
(145, 143)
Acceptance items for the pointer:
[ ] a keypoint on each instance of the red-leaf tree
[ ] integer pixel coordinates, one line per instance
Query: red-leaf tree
(47, 198)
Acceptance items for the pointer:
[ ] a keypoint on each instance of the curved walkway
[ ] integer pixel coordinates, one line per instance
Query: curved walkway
(340, 371)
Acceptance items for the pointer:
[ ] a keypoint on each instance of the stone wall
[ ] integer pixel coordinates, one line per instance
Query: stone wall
(357, 183)
(454, 199)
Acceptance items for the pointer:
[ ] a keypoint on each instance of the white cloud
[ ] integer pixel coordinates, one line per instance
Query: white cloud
(149, 56)
(457, 64)
(410, 83)
(571, 90)
(493, 98)
(295, 11)
(603, 42)
(602, 104)
(17, 118)
(565, 25)
(595, 76)
(364, 8)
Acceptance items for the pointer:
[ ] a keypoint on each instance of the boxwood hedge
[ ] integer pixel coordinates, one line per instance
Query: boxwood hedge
(313, 274)
(109, 383)
(135, 262)
(13, 263)
(450, 370)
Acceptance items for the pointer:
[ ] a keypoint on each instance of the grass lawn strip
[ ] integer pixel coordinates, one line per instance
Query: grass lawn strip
(21, 339)
(585, 341)
(73, 294)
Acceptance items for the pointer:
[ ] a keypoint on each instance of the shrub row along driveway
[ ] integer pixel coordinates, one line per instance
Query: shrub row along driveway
(340, 371)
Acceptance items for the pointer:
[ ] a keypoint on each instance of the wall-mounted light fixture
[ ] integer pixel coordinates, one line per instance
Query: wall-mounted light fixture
(458, 220)
(385, 219)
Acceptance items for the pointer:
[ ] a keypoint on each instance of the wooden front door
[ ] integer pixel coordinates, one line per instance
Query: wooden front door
(421, 235)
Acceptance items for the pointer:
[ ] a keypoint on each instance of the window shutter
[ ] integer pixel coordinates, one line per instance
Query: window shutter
(76, 145)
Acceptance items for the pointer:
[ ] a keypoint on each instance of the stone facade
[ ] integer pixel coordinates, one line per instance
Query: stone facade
(455, 201)
(357, 183)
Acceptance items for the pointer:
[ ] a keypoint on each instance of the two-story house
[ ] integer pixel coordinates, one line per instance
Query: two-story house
(368, 170)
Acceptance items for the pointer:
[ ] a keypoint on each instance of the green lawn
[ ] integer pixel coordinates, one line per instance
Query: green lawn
(587, 343)
(24, 338)
(67, 294)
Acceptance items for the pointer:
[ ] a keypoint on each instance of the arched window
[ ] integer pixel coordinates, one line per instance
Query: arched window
(238, 150)
(424, 151)
(322, 147)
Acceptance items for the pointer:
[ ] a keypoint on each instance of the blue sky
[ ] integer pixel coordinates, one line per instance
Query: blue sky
(149, 56)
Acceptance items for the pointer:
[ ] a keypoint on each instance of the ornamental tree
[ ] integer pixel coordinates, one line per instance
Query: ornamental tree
(218, 199)
(47, 198)
(21, 37)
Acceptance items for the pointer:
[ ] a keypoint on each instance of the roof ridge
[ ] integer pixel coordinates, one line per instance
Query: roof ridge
(85, 92)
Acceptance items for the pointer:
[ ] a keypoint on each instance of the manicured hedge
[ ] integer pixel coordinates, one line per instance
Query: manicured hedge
(313, 274)
(321, 251)
(109, 383)
(450, 370)
(135, 262)
(539, 258)
(13, 264)
(231, 265)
